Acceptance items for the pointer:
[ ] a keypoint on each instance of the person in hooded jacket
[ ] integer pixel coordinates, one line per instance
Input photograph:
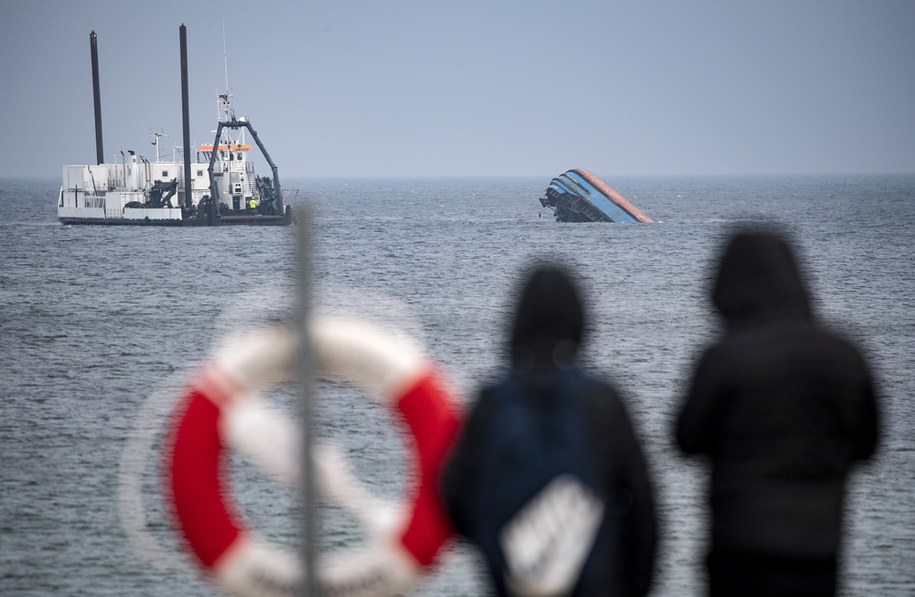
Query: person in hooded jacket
(548, 478)
(782, 408)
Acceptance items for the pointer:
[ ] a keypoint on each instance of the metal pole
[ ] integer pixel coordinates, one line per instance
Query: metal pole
(186, 119)
(97, 99)
(306, 376)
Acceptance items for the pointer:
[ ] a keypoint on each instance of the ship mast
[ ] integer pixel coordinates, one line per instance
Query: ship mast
(155, 142)
(224, 105)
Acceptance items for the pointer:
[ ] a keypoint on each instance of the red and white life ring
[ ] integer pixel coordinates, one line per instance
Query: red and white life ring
(390, 368)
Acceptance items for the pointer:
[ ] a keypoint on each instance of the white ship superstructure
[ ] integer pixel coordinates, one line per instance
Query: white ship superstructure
(135, 189)
(219, 186)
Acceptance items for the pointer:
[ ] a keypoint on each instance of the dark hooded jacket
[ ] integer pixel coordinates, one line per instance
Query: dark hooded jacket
(781, 407)
(547, 331)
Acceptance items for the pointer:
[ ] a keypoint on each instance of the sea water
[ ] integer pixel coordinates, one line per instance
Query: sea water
(100, 325)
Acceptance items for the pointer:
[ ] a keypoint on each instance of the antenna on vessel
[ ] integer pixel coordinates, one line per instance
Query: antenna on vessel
(224, 112)
(155, 142)
(224, 109)
(225, 53)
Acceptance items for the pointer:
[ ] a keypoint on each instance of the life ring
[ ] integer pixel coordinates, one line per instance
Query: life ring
(392, 369)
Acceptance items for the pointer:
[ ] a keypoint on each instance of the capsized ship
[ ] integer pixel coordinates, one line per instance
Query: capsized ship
(218, 187)
(580, 196)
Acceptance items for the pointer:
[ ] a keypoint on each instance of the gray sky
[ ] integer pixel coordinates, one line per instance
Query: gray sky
(442, 88)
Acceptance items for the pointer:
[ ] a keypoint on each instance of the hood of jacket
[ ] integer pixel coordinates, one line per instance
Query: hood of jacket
(548, 326)
(759, 281)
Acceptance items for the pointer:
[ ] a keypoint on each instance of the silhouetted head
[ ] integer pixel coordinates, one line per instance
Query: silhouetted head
(549, 321)
(758, 280)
